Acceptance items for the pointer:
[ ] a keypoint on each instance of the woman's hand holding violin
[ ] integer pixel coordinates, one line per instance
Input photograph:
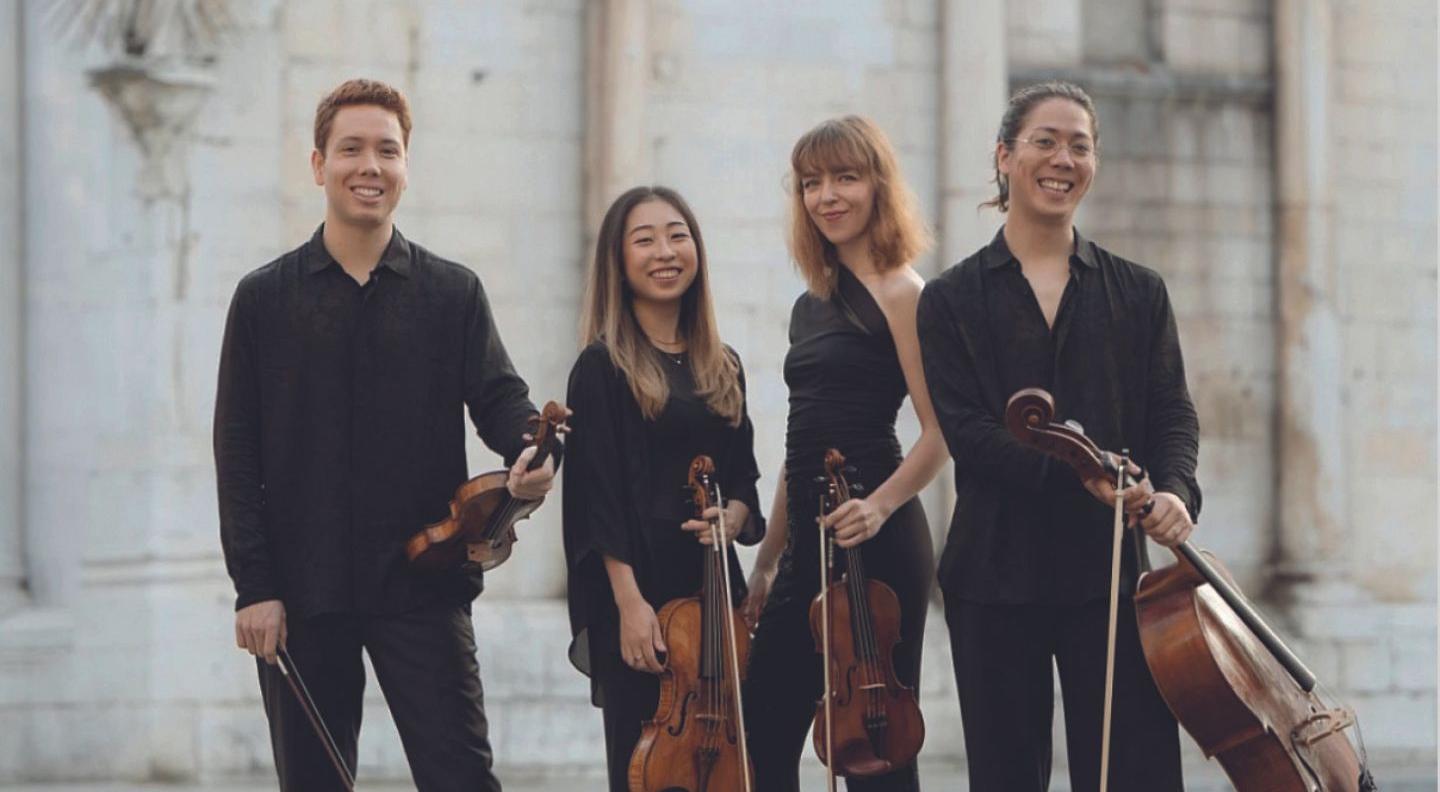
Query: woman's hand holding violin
(736, 515)
(857, 520)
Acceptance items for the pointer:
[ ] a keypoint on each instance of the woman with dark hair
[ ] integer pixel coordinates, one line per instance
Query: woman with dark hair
(653, 388)
(1026, 568)
(854, 357)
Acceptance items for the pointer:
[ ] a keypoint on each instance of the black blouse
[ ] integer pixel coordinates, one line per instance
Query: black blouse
(1024, 529)
(340, 425)
(624, 493)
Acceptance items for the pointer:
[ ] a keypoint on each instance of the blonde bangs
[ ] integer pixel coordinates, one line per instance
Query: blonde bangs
(830, 148)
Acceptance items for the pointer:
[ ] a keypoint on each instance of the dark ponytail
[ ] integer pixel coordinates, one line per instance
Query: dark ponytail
(1021, 103)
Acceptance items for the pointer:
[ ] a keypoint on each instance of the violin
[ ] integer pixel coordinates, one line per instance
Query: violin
(480, 529)
(696, 741)
(867, 722)
(1238, 690)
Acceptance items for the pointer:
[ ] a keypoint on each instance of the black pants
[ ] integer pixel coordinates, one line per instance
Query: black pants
(1003, 672)
(426, 666)
(786, 673)
(629, 698)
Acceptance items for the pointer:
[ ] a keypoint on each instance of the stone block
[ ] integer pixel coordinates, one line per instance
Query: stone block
(917, 47)
(1414, 666)
(922, 13)
(233, 740)
(1340, 621)
(1041, 33)
(1233, 134)
(1322, 657)
(86, 743)
(553, 109)
(1367, 666)
(309, 29)
(388, 34)
(1253, 46)
(1116, 32)
(245, 109)
(15, 723)
(174, 742)
(1397, 720)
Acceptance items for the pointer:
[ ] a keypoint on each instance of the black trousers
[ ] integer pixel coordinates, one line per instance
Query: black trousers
(425, 663)
(629, 698)
(786, 673)
(1003, 672)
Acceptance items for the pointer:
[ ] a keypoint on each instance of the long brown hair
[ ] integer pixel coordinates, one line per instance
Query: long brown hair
(610, 319)
(897, 232)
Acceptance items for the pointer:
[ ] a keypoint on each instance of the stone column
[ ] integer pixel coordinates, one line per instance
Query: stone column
(616, 154)
(1314, 471)
(974, 84)
(12, 314)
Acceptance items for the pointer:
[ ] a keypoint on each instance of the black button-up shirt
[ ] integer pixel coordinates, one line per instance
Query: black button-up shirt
(1024, 528)
(340, 425)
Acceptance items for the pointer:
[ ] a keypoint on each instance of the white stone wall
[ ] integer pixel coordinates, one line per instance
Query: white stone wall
(1383, 171)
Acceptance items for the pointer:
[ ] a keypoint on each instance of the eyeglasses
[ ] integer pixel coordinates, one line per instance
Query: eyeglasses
(1047, 145)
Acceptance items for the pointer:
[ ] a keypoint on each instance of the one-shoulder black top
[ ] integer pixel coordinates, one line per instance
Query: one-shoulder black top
(846, 387)
(846, 384)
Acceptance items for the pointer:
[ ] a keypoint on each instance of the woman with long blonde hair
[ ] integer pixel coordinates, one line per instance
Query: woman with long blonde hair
(854, 356)
(653, 388)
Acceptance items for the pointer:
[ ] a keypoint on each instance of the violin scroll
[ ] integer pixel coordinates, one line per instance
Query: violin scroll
(702, 472)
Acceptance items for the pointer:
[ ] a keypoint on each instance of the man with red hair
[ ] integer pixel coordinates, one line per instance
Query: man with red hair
(346, 370)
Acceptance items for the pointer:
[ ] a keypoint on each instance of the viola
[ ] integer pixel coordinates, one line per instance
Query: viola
(696, 741)
(480, 529)
(1240, 692)
(867, 723)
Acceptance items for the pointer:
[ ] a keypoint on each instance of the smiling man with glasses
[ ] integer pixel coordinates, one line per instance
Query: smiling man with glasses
(1026, 567)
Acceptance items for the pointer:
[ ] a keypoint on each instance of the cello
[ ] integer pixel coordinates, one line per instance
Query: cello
(1245, 698)
(867, 722)
(696, 741)
(480, 529)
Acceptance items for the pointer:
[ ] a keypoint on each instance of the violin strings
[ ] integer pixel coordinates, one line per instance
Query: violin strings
(860, 606)
(865, 626)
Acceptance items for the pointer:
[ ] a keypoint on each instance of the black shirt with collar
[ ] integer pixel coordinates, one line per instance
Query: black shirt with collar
(340, 425)
(1024, 529)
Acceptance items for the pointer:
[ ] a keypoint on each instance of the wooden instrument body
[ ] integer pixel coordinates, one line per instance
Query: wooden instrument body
(686, 746)
(480, 529)
(877, 725)
(467, 534)
(1226, 676)
(696, 741)
(1232, 696)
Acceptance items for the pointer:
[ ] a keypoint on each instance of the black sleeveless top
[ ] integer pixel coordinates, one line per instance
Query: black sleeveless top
(846, 384)
(846, 387)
